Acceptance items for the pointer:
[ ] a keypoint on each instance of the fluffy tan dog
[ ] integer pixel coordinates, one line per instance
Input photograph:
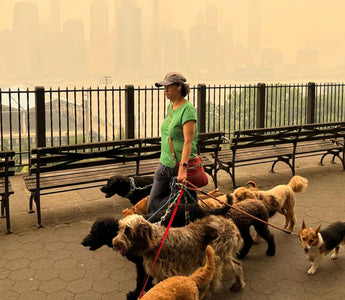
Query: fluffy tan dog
(182, 287)
(207, 203)
(184, 248)
(139, 208)
(281, 198)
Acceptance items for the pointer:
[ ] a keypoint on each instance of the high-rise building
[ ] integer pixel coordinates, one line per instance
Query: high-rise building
(99, 22)
(26, 30)
(254, 32)
(74, 54)
(205, 43)
(128, 35)
(101, 48)
(55, 15)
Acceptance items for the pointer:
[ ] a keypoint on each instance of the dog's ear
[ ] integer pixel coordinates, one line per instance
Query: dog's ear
(317, 229)
(144, 233)
(303, 225)
(230, 199)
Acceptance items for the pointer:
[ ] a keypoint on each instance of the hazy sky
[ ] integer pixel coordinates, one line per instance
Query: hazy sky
(286, 26)
(283, 22)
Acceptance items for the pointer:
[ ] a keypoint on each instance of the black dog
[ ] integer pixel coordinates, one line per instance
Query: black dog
(134, 188)
(105, 229)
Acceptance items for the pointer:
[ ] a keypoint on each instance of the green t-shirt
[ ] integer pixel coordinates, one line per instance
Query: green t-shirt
(179, 116)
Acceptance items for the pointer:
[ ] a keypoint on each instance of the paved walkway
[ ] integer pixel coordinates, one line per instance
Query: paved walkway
(50, 263)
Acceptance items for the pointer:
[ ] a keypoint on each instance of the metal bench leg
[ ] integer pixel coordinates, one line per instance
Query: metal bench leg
(323, 156)
(37, 199)
(232, 175)
(31, 210)
(214, 177)
(6, 204)
(287, 161)
(2, 207)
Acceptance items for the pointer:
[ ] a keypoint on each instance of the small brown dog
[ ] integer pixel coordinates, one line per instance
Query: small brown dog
(184, 287)
(139, 208)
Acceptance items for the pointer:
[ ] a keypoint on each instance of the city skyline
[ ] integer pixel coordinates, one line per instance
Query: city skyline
(137, 41)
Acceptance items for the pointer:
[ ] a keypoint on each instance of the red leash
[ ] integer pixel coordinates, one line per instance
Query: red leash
(161, 245)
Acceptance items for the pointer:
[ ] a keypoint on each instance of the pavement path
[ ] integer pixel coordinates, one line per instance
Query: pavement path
(50, 263)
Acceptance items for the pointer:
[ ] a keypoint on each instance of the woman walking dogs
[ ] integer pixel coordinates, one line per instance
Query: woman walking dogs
(179, 139)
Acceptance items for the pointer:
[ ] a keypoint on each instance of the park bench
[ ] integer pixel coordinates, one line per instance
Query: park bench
(285, 144)
(6, 169)
(80, 166)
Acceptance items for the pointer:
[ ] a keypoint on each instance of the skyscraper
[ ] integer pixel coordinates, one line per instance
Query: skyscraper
(55, 15)
(26, 30)
(254, 32)
(128, 43)
(75, 47)
(101, 49)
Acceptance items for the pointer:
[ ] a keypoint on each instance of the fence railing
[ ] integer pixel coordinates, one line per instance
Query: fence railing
(40, 117)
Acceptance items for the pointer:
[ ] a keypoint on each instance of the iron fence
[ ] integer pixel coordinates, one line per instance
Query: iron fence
(71, 116)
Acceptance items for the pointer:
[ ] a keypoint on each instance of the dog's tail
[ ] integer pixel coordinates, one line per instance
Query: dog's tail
(222, 211)
(252, 183)
(203, 275)
(298, 183)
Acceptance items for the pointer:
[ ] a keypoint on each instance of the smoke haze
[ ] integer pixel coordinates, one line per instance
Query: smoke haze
(116, 42)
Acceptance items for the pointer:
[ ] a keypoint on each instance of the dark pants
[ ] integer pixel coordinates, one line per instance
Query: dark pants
(161, 188)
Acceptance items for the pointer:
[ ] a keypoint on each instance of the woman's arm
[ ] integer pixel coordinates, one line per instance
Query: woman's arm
(188, 134)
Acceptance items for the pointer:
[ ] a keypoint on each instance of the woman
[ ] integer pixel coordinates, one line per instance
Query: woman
(179, 126)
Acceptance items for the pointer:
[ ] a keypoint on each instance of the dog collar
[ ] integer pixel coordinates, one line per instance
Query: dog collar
(131, 188)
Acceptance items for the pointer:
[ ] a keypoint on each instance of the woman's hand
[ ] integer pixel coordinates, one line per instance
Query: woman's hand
(182, 174)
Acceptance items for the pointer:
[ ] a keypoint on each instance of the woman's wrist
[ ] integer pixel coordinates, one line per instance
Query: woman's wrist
(183, 164)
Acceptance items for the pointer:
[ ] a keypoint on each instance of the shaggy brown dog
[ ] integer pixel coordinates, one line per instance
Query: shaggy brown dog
(182, 287)
(184, 248)
(283, 194)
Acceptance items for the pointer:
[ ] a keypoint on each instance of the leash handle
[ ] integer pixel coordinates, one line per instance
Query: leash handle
(161, 245)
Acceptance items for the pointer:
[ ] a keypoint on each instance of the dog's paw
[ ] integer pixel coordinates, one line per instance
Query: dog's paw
(256, 239)
(238, 285)
(240, 255)
(311, 271)
(133, 295)
(334, 256)
(270, 252)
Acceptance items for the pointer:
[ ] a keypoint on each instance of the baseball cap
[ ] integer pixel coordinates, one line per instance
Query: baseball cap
(171, 78)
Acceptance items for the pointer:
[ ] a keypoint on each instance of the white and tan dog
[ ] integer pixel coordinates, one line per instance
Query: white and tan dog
(318, 243)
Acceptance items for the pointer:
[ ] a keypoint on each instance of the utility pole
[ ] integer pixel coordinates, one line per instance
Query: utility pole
(106, 80)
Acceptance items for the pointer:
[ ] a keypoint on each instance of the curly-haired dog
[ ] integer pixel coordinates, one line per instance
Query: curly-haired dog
(318, 243)
(184, 248)
(105, 229)
(102, 233)
(133, 188)
(283, 194)
(183, 287)
(257, 209)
